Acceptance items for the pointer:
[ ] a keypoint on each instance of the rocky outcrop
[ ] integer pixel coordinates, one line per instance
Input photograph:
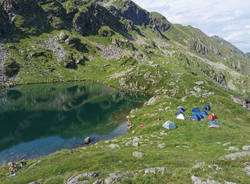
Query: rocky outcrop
(90, 21)
(133, 12)
(158, 21)
(5, 26)
(53, 45)
(199, 47)
(245, 103)
(248, 55)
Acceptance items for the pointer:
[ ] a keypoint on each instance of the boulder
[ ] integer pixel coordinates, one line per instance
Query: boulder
(114, 146)
(87, 140)
(113, 178)
(138, 154)
(246, 148)
(75, 179)
(196, 180)
(235, 156)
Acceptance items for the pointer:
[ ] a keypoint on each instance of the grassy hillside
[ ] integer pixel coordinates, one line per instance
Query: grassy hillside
(119, 44)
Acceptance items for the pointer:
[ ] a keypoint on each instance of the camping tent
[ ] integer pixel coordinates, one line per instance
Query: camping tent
(204, 113)
(200, 116)
(212, 116)
(169, 125)
(213, 124)
(181, 116)
(181, 109)
(196, 111)
(195, 117)
(206, 108)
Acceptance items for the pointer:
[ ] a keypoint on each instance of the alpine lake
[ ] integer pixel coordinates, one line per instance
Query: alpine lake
(40, 119)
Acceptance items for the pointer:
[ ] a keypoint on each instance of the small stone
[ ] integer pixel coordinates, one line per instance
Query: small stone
(232, 148)
(197, 180)
(75, 179)
(114, 146)
(138, 154)
(87, 140)
(228, 182)
(161, 145)
(226, 144)
(99, 182)
(197, 89)
(113, 178)
(199, 83)
(198, 165)
(235, 156)
(246, 148)
(167, 108)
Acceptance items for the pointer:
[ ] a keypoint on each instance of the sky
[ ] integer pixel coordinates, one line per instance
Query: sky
(229, 19)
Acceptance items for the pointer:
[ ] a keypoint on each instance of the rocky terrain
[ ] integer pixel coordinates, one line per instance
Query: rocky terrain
(119, 44)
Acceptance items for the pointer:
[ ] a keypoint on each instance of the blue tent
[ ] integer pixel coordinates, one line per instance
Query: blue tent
(206, 108)
(181, 109)
(169, 125)
(200, 116)
(178, 112)
(213, 124)
(195, 117)
(196, 111)
(204, 113)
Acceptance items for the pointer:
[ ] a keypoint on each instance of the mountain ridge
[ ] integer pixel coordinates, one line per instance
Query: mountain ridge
(119, 44)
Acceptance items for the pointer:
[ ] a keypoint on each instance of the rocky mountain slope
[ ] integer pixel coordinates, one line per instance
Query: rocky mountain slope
(248, 54)
(122, 45)
(227, 45)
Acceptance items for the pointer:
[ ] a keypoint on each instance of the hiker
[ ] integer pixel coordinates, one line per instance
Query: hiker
(129, 124)
(22, 163)
(13, 168)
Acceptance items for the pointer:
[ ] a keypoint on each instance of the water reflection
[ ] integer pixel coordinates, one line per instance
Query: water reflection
(60, 112)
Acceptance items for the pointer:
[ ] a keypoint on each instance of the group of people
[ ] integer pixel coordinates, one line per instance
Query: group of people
(14, 168)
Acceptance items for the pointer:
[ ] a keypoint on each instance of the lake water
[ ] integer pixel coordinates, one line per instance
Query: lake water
(37, 120)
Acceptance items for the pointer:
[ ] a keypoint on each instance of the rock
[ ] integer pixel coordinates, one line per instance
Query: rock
(114, 146)
(226, 144)
(197, 180)
(232, 148)
(246, 148)
(235, 156)
(75, 179)
(34, 182)
(113, 178)
(152, 100)
(245, 103)
(198, 165)
(87, 140)
(53, 45)
(199, 83)
(99, 182)
(197, 89)
(167, 108)
(135, 144)
(70, 64)
(161, 145)
(228, 182)
(154, 65)
(138, 154)
(247, 168)
(63, 36)
(155, 170)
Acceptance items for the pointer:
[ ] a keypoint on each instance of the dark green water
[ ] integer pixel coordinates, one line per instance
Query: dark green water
(37, 120)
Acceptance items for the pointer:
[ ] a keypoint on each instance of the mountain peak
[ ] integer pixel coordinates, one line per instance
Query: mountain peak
(227, 44)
